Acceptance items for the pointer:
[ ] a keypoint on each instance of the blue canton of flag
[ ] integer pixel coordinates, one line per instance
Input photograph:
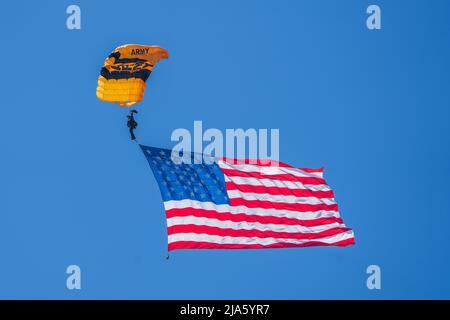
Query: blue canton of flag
(201, 182)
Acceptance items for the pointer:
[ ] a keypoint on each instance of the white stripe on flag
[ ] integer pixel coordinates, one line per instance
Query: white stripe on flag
(233, 194)
(276, 183)
(225, 208)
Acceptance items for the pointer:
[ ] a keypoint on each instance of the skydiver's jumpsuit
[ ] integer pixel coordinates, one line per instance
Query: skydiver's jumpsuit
(132, 124)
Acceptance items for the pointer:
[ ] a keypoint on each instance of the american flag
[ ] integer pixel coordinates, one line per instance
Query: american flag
(230, 204)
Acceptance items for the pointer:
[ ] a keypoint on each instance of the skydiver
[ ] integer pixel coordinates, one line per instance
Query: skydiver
(132, 124)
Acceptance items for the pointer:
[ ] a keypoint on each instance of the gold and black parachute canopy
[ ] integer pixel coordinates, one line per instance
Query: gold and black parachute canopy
(124, 74)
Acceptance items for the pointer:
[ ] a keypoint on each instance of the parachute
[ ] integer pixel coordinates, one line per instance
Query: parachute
(124, 74)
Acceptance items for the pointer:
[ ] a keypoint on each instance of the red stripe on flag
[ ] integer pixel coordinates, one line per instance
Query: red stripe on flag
(281, 177)
(228, 232)
(257, 162)
(268, 163)
(210, 245)
(301, 207)
(312, 170)
(242, 217)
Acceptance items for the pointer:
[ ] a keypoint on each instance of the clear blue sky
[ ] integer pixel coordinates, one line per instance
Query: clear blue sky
(370, 106)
